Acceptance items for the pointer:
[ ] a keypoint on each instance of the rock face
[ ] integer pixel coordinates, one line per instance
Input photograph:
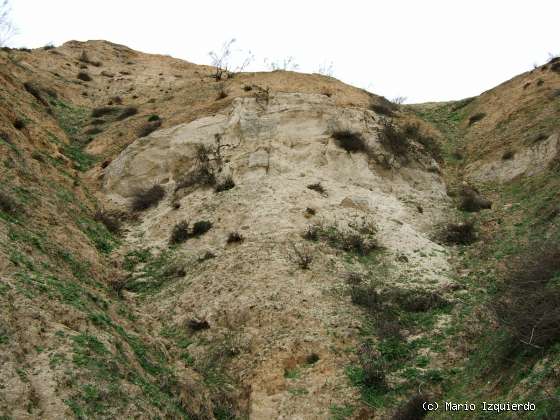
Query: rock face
(274, 148)
(526, 162)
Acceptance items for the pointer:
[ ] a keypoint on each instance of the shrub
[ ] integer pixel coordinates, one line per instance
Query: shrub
(508, 154)
(7, 204)
(196, 324)
(312, 233)
(84, 76)
(459, 233)
(19, 124)
(418, 300)
(127, 112)
(360, 239)
(527, 301)
(36, 90)
(472, 201)
(154, 118)
(476, 117)
(429, 143)
(235, 237)
(146, 198)
(109, 219)
(393, 139)
(372, 366)
(555, 67)
(201, 227)
(301, 256)
(318, 188)
(365, 296)
(148, 128)
(226, 184)
(381, 109)
(309, 211)
(312, 358)
(413, 409)
(200, 176)
(104, 110)
(180, 233)
(350, 141)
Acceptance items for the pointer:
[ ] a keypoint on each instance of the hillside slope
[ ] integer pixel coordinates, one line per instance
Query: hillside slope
(266, 245)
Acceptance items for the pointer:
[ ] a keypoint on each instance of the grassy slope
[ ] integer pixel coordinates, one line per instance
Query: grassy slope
(524, 213)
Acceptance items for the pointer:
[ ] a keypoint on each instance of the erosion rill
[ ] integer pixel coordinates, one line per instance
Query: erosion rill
(270, 245)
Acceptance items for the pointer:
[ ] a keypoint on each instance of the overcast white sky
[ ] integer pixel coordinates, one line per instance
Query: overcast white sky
(428, 50)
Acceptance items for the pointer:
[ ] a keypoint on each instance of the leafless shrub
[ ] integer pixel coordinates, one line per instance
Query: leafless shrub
(146, 198)
(19, 124)
(508, 155)
(287, 63)
(412, 131)
(301, 255)
(527, 302)
(221, 61)
(201, 227)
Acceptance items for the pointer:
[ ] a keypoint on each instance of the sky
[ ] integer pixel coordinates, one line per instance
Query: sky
(424, 50)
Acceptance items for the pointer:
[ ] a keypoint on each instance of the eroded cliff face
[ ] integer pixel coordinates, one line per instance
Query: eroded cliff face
(274, 148)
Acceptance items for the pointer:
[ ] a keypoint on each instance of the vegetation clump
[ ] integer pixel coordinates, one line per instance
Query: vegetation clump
(84, 76)
(180, 233)
(527, 302)
(350, 141)
(235, 237)
(318, 187)
(476, 118)
(149, 128)
(145, 198)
